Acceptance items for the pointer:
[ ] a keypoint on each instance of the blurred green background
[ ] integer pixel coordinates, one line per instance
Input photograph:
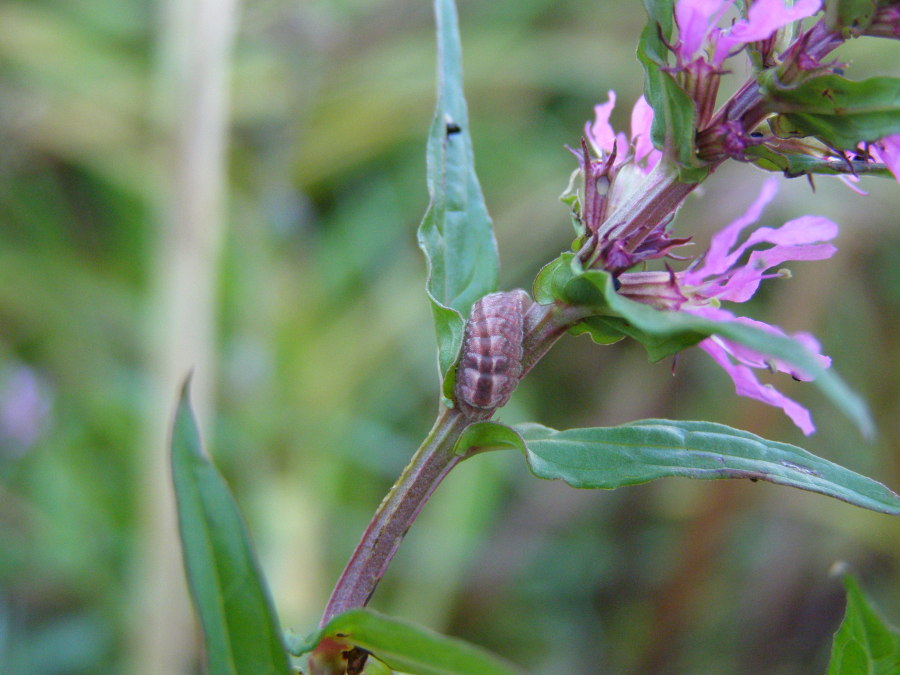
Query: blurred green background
(302, 313)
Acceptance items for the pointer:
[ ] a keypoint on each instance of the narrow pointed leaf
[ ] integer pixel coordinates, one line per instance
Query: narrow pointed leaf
(456, 233)
(611, 457)
(864, 643)
(407, 647)
(239, 625)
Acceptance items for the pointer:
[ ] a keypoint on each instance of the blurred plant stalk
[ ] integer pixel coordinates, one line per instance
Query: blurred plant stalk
(190, 126)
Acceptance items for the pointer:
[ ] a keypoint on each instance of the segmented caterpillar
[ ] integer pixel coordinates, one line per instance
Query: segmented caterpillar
(491, 362)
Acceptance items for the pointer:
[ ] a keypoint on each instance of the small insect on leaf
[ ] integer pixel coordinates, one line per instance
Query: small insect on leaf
(491, 362)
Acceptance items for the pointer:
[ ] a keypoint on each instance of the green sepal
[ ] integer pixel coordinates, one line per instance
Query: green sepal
(405, 646)
(864, 642)
(645, 450)
(794, 165)
(240, 627)
(549, 284)
(456, 234)
(842, 113)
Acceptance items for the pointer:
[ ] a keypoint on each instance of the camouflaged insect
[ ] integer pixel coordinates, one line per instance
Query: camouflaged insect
(491, 362)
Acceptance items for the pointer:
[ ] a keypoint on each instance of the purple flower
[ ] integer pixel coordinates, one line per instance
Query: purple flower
(720, 275)
(604, 140)
(702, 47)
(611, 180)
(887, 151)
(24, 409)
(699, 37)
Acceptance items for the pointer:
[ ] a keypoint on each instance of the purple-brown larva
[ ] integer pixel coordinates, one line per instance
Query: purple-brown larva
(491, 362)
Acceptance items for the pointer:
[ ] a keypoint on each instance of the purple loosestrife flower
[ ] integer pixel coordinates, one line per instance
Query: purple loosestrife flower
(605, 141)
(611, 180)
(700, 39)
(719, 275)
(887, 151)
(702, 47)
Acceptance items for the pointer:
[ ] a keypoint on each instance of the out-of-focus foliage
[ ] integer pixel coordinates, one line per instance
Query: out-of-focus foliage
(864, 642)
(326, 364)
(241, 633)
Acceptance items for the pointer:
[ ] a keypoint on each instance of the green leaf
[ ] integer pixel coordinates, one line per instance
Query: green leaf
(864, 642)
(482, 436)
(456, 234)
(550, 283)
(611, 457)
(794, 165)
(851, 17)
(239, 625)
(409, 648)
(604, 330)
(666, 332)
(674, 118)
(841, 112)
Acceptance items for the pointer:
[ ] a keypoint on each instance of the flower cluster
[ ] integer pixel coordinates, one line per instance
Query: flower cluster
(615, 172)
(731, 270)
(612, 169)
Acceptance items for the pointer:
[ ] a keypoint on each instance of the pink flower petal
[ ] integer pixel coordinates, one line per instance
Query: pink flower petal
(797, 232)
(851, 182)
(601, 132)
(889, 153)
(746, 384)
(717, 259)
(744, 282)
(763, 19)
(641, 121)
(696, 19)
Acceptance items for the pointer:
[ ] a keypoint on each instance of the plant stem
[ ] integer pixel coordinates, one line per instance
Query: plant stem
(544, 325)
(396, 513)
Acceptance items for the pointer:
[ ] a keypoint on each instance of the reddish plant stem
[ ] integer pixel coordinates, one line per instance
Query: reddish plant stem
(544, 325)
(396, 513)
